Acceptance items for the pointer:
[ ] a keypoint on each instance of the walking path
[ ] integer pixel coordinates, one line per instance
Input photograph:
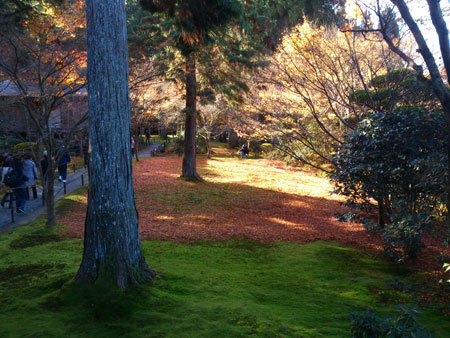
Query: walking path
(34, 207)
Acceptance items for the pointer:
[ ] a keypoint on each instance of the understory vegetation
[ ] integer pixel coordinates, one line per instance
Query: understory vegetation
(396, 162)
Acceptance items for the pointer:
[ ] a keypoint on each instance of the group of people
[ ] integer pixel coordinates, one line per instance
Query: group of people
(21, 175)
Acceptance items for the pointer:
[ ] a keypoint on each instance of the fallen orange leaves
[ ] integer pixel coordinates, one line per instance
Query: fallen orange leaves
(257, 199)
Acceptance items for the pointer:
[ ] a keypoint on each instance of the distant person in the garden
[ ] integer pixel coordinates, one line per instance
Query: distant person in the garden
(4, 171)
(86, 152)
(62, 163)
(244, 151)
(44, 163)
(30, 171)
(7, 159)
(132, 145)
(17, 181)
(147, 135)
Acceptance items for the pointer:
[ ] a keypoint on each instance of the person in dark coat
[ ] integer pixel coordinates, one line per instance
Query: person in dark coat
(244, 151)
(44, 163)
(62, 163)
(5, 170)
(17, 181)
(8, 160)
(86, 152)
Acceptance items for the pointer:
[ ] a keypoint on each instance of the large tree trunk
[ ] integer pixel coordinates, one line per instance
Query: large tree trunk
(112, 248)
(189, 163)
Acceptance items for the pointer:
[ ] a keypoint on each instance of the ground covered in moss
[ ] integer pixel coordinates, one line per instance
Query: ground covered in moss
(231, 288)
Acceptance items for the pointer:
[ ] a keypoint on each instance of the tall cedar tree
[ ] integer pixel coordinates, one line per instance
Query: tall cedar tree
(195, 20)
(112, 248)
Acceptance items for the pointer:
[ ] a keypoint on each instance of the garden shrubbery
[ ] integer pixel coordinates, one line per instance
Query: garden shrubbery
(369, 325)
(396, 161)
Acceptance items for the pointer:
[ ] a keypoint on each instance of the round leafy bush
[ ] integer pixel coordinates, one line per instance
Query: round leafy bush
(396, 161)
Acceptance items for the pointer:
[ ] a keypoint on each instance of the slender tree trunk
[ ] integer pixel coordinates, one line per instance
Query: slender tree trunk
(50, 191)
(381, 213)
(112, 247)
(447, 115)
(208, 145)
(189, 158)
(136, 151)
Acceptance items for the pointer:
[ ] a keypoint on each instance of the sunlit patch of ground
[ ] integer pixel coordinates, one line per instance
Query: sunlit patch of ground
(257, 199)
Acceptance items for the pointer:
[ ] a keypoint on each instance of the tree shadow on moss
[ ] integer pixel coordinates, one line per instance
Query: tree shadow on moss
(33, 239)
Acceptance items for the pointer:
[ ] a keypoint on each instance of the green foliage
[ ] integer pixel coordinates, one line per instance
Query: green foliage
(23, 148)
(404, 232)
(402, 236)
(269, 19)
(397, 159)
(266, 148)
(369, 325)
(366, 325)
(16, 11)
(178, 145)
(200, 145)
(399, 154)
(196, 21)
(399, 87)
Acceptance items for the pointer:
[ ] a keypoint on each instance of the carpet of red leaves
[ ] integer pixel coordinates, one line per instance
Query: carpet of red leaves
(257, 199)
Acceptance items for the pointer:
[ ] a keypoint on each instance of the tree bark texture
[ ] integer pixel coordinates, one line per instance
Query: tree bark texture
(189, 158)
(112, 248)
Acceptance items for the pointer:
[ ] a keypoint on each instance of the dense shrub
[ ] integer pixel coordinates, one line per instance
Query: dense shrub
(23, 148)
(369, 325)
(200, 145)
(178, 145)
(397, 160)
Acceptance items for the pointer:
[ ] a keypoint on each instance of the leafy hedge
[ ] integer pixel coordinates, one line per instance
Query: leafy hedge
(398, 161)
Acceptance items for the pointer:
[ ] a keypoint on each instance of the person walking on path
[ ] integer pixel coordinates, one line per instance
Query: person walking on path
(132, 146)
(86, 152)
(4, 171)
(30, 171)
(17, 181)
(7, 159)
(147, 136)
(44, 164)
(62, 163)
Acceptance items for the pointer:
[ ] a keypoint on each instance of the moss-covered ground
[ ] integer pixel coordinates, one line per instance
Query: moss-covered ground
(203, 289)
